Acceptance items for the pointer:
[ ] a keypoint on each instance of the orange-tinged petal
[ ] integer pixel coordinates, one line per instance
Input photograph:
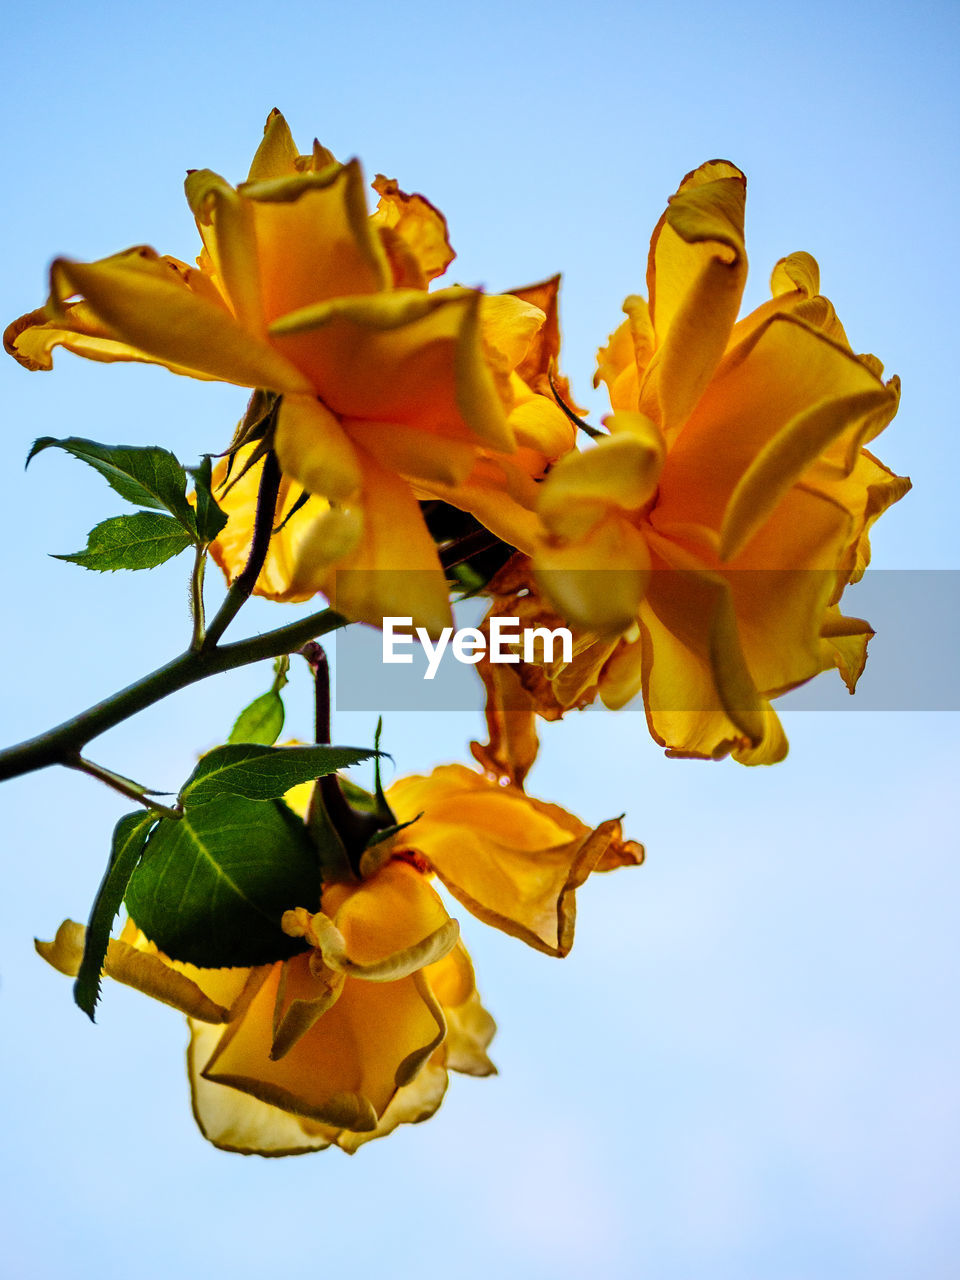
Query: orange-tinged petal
(779, 464)
(144, 303)
(623, 361)
(620, 470)
(782, 585)
(387, 915)
(306, 545)
(698, 670)
(420, 226)
(418, 454)
(844, 645)
(511, 860)
(781, 372)
(540, 360)
(314, 239)
(148, 972)
(540, 424)
(404, 357)
(509, 326)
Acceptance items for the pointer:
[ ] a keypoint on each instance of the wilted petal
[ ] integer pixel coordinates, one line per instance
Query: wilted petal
(412, 1104)
(420, 227)
(511, 860)
(144, 968)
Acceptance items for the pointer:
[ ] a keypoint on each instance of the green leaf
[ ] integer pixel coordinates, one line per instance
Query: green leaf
(140, 541)
(383, 810)
(261, 722)
(210, 520)
(148, 477)
(262, 772)
(129, 837)
(211, 889)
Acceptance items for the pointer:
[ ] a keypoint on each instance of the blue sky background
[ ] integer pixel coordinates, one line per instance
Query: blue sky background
(748, 1065)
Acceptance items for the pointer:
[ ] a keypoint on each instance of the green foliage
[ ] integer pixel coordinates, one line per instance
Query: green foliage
(261, 722)
(140, 541)
(263, 772)
(148, 477)
(129, 837)
(212, 887)
(209, 518)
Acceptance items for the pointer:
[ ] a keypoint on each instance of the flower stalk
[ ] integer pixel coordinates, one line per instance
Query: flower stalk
(61, 744)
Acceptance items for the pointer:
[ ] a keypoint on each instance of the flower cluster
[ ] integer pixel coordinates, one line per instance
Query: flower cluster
(405, 439)
(354, 1035)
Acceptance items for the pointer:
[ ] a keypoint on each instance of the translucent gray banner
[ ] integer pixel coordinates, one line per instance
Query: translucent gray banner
(911, 666)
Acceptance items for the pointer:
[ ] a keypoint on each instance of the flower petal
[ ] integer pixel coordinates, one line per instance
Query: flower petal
(404, 357)
(235, 1121)
(225, 223)
(511, 860)
(395, 570)
(695, 278)
(312, 446)
(276, 156)
(314, 239)
(347, 1067)
(597, 582)
(149, 972)
(143, 302)
(420, 226)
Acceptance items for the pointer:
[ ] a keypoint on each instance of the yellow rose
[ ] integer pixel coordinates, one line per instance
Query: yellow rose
(355, 1035)
(385, 387)
(712, 532)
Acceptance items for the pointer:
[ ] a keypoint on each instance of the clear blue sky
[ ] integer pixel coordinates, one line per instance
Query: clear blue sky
(748, 1065)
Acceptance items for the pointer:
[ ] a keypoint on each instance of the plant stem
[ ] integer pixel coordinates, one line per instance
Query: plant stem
(196, 599)
(62, 744)
(243, 585)
(125, 786)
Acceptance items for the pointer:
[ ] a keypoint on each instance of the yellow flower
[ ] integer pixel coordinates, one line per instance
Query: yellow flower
(713, 531)
(384, 386)
(349, 1039)
(338, 1045)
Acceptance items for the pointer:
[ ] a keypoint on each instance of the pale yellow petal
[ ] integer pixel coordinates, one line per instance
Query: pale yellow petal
(235, 1121)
